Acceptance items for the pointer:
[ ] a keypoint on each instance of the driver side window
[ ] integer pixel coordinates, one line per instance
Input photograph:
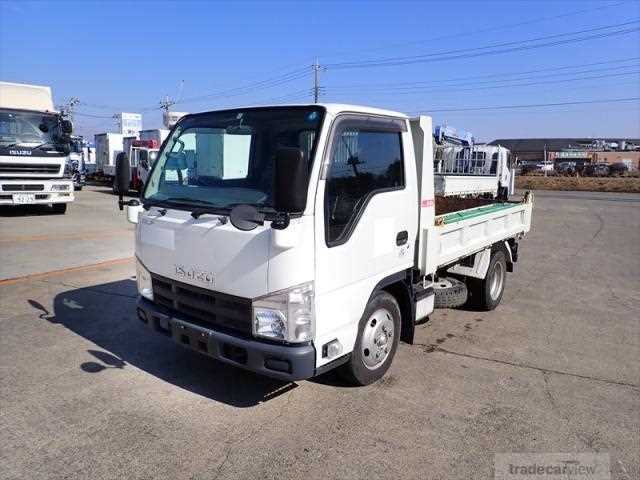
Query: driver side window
(364, 162)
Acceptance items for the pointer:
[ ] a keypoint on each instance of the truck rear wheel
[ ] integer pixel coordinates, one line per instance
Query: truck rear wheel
(59, 208)
(487, 293)
(377, 342)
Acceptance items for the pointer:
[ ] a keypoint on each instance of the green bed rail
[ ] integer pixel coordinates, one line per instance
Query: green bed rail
(454, 217)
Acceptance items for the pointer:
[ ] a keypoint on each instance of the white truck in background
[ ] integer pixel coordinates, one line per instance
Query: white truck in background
(108, 145)
(463, 167)
(322, 245)
(147, 151)
(142, 152)
(76, 166)
(34, 148)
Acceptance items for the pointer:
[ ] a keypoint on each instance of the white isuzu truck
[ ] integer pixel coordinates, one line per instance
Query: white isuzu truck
(34, 148)
(291, 240)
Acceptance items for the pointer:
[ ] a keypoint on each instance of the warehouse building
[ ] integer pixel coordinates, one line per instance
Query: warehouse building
(532, 151)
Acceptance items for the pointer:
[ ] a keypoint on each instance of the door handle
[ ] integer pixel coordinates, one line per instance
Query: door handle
(402, 237)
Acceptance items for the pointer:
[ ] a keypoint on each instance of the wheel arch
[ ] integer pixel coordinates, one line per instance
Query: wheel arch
(506, 248)
(399, 286)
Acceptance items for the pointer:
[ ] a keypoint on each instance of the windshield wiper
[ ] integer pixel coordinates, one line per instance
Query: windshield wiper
(196, 211)
(48, 142)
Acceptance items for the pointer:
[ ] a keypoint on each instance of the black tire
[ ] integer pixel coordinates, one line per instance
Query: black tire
(77, 189)
(59, 208)
(356, 371)
(486, 294)
(449, 293)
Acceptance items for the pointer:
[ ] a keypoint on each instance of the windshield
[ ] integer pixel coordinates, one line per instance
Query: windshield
(221, 159)
(27, 129)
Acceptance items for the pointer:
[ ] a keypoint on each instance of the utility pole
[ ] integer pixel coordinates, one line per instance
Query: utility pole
(316, 81)
(167, 103)
(67, 110)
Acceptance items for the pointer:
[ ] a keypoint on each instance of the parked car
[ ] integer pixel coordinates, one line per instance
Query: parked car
(596, 170)
(618, 168)
(566, 168)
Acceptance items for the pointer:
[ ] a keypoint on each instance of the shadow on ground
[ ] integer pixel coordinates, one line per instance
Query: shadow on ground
(105, 315)
(26, 211)
(107, 190)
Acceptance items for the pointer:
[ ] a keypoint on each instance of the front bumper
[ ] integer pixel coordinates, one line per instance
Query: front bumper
(40, 191)
(283, 362)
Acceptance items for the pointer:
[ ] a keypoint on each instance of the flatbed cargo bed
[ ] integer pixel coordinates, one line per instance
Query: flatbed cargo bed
(463, 233)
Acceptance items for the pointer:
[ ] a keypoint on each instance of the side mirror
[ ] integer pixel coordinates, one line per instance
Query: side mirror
(291, 180)
(123, 176)
(66, 127)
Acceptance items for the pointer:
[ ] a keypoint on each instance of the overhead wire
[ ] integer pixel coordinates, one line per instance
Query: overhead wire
(467, 33)
(447, 89)
(456, 81)
(487, 50)
(531, 105)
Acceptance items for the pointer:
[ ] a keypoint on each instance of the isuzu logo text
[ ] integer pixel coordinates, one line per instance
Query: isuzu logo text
(195, 274)
(19, 152)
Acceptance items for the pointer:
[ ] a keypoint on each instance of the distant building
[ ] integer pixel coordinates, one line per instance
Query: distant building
(530, 151)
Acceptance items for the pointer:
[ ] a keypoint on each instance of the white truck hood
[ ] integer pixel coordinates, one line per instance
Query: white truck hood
(204, 252)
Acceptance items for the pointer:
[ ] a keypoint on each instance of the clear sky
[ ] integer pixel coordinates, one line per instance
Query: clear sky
(126, 56)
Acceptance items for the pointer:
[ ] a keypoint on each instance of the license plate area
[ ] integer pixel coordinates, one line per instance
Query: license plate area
(191, 337)
(24, 198)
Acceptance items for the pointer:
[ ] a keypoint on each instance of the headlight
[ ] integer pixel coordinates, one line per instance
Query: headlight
(287, 315)
(60, 187)
(143, 278)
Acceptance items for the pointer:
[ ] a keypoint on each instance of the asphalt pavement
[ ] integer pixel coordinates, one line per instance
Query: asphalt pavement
(87, 392)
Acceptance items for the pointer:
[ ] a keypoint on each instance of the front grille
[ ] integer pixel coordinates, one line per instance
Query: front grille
(208, 308)
(30, 168)
(22, 188)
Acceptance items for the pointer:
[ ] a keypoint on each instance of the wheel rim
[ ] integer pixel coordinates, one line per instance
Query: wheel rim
(377, 339)
(497, 280)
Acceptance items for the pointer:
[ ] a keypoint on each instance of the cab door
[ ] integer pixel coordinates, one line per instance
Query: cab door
(366, 219)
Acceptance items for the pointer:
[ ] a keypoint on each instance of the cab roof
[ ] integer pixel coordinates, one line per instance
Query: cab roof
(332, 108)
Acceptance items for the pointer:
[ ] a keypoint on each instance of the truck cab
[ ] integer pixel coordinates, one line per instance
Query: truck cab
(291, 240)
(144, 153)
(34, 148)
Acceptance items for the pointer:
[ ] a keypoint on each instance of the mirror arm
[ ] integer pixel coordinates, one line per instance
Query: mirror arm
(129, 203)
(281, 221)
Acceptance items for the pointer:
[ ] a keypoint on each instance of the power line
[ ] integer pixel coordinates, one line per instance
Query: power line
(500, 76)
(251, 87)
(498, 48)
(481, 30)
(82, 114)
(418, 89)
(531, 105)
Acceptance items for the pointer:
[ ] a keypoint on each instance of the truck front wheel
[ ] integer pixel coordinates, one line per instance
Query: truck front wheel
(378, 337)
(487, 293)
